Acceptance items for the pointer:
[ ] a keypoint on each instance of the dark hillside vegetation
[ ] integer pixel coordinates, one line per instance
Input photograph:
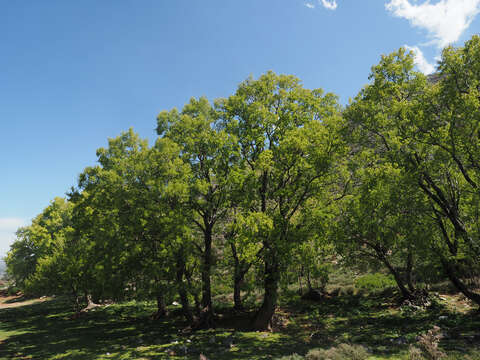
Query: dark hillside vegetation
(273, 219)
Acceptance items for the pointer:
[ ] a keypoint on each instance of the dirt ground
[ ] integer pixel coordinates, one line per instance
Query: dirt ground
(9, 301)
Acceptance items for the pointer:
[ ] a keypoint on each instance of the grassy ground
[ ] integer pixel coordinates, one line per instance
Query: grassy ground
(47, 330)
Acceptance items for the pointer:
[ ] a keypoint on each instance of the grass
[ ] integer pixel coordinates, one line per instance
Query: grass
(124, 331)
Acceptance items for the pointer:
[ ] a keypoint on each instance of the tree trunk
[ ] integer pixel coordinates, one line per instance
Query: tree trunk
(237, 298)
(240, 270)
(193, 292)
(309, 282)
(161, 306)
(451, 273)
(263, 318)
(206, 320)
(181, 289)
(450, 268)
(409, 272)
(300, 280)
(406, 294)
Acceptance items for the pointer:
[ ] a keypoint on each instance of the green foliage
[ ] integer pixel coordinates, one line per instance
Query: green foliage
(38, 243)
(428, 133)
(374, 282)
(291, 357)
(340, 352)
(277, 185)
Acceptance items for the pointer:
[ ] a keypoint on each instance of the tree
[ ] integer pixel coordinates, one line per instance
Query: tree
(38, 241)
(209, 152)
(130, 209)
(384, 222)
(430, 130)
(288, 143)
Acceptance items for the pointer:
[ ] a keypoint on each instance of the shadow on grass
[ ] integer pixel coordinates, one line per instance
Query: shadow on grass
(40, 331)
(378, 323)
(47, 331)
(125, 331)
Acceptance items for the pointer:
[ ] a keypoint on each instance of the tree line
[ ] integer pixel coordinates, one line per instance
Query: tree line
(265, 187)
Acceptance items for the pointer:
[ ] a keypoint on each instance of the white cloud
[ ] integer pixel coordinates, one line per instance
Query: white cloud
(310, 5)
(8, 227)
(445, 21)
(329, 4)
(423, 65)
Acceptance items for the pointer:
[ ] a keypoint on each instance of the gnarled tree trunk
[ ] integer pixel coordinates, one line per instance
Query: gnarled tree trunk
(263, 318)
(458, 283)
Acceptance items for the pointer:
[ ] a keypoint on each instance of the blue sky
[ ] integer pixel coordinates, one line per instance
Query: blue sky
(74, 73)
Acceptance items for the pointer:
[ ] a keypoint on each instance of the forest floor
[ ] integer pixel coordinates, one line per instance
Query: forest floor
(47, 329)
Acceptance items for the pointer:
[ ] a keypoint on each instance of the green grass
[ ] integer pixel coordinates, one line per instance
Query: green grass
(125, 331)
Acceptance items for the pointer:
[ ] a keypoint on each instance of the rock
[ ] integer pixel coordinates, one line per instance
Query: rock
(175, 303)
(228, 342)
(443, 317)
(401, 340)
(211, 340)
(202, 357)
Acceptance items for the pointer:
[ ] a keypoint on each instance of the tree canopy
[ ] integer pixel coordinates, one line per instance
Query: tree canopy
(272, 184)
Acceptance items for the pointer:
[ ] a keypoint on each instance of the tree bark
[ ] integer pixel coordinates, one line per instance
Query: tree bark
(450, 269)
(263, 318)
(409, 272)
(237, 298)
(181, 289)
(206, 320)
(240, 270)
(161, 306)
(193, 292)
(406, 294)
(309, 282)
(451, 274)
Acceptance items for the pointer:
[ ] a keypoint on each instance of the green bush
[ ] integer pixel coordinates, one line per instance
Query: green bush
(375, 282)
(348, 290)
(341, 352)
(291, 357)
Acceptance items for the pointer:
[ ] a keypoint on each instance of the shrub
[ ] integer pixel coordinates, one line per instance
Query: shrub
(375, 282)
(291, 357)
(428, 346)
(415, 353)
(341, 352)
(348, 290)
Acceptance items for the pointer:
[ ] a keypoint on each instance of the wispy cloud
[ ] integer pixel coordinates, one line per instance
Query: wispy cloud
(445, 21)
(329, 4)
(310, 5)
(8, 227)
(423, 65)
